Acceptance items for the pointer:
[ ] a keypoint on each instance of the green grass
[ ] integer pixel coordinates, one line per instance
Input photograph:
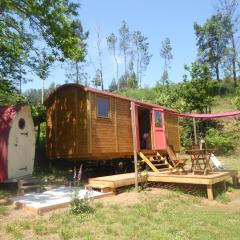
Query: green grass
(14, 230)
(169, 215)
(3, 193)
(223, 104)
(3, 210)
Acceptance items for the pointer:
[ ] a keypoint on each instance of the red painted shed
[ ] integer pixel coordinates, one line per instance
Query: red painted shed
(17, 142)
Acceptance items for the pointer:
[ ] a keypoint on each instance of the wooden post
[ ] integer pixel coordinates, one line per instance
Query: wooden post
(210, 192)
(195, 131)
(134, 144)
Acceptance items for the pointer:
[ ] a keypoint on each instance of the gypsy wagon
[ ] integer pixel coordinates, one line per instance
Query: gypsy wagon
(17, 142)
(88, 124)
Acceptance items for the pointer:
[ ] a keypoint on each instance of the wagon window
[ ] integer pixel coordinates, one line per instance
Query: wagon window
(158, 119)
(21, 123)
(102, 107)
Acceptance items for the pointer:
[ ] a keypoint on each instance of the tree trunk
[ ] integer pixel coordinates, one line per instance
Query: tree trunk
(101, 80)
(42, 90)
(77, 73)
(38, 133)
(117, 69)
(125, 63)
(217, 72)
(138, 74)
(234, 62)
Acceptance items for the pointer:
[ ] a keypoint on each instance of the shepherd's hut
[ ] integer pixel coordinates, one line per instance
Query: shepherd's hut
(17, 142)
(89, 124)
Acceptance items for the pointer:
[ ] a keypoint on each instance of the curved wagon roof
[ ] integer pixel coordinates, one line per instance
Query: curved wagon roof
(110, 94)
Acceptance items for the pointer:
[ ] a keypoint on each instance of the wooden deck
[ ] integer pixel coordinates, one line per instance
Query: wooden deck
(115, 181)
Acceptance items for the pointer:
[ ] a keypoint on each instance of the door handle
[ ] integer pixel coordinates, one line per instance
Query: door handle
(21, 169)
(26, 133)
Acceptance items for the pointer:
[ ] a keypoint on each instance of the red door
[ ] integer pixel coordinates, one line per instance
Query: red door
(158, 129)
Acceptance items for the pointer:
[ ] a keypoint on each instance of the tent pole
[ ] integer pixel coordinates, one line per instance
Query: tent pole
(195, 131)
(134, 144)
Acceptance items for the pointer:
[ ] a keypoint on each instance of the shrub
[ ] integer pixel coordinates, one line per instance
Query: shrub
(222, 142)
(80, 205)
(65, 233)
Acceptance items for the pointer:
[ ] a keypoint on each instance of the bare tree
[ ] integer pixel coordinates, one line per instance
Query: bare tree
(141, 50)
(124, 42)
(166, 54)
(98, 41)
(230, 8)
(112, 47)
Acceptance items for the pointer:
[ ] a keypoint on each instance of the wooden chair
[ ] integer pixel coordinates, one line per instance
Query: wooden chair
(178, 163)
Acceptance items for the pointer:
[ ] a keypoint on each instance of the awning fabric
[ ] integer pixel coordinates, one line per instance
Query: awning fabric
(216, 115)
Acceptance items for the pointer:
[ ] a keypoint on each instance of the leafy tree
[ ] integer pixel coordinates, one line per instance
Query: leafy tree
(141, 49)
(24, 24)
(198, 93)
(97, 80)
(39, 116)
(42, 66)
(123, 81)
(168, 95)
(9, 94)
(166, 54)
(76, 66)
(132, 80)
(124, 42)
(112, 47)
(212, 40)
(76, 72)
(34, 96)
(230, 8)
(113, 86)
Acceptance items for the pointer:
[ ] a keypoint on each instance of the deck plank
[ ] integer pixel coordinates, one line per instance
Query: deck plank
(121, 180)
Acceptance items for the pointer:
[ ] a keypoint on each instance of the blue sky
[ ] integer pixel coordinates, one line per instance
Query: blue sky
(156, 19)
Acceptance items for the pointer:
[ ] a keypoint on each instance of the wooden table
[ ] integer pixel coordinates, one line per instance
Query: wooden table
(200, 159)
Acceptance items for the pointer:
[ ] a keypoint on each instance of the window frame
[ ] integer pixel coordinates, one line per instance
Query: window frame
(155, 122)
(97, 113)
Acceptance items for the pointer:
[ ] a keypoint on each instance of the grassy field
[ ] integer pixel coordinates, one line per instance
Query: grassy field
(165, 212)
(156, 214)
(159, 212)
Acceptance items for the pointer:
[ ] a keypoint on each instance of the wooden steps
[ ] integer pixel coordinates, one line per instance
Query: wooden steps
(112, 182)
(29, 184)
(99, 187)
(155, 161)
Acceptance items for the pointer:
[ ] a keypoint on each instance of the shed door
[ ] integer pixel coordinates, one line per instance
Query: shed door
(158, 129)
(21, 146)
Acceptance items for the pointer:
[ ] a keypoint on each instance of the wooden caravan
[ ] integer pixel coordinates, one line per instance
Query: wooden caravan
(85, 123)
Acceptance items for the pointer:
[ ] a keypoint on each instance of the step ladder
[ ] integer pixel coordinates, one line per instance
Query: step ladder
(155, 161)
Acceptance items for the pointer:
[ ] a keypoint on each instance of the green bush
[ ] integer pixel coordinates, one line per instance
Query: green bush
(222, 142)
(80, 205)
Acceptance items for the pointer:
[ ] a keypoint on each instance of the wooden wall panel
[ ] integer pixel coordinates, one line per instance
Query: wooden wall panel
(67, 123)
(103, 129)
(124, 127)
(81, 125)
(172, 131)
(50, 129)
(66, 118)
